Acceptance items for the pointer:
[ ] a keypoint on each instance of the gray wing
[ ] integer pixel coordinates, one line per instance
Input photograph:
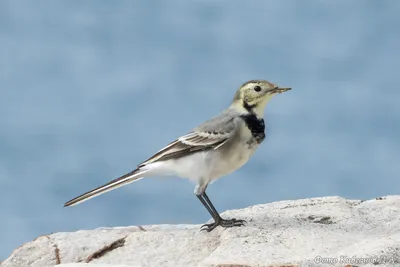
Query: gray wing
(212, 134)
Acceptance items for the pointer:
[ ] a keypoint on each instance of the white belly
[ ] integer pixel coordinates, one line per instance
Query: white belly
(210, 165)
(206, 166)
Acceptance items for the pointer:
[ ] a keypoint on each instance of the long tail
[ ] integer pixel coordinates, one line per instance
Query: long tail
(121, 181)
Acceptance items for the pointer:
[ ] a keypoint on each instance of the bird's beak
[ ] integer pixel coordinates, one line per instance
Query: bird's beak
(280, 89)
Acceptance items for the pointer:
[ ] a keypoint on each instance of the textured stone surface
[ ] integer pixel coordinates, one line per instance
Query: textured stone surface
(307, 232)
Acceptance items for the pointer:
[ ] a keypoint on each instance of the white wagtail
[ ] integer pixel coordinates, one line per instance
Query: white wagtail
(215, 148)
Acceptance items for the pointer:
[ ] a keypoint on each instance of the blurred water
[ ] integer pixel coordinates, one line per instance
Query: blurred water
(90, 89)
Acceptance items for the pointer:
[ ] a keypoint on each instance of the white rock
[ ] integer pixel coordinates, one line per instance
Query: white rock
(307, 232)
(93, 265)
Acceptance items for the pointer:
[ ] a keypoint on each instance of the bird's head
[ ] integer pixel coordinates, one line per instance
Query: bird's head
(253, 95)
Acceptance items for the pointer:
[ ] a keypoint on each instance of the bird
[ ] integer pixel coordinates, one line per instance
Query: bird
(210, 151)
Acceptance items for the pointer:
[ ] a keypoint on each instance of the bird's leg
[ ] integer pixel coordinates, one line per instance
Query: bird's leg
(217, 218)
(213, 214)
(223, 222)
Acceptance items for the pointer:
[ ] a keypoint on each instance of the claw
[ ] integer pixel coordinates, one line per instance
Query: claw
(234, 222)
(224, 223)
(209, 227)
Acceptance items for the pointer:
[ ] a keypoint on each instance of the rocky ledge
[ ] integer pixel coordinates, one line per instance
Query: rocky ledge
(328, 231)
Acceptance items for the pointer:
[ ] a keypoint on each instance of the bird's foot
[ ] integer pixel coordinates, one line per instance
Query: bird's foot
(224, 223)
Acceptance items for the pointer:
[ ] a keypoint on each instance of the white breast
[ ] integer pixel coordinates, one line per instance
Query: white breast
(240, 152)
(212, 164)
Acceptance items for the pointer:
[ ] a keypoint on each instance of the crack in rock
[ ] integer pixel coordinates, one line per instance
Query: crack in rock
(141, 228)
(56, 250)
(106, 249)
(321, 220)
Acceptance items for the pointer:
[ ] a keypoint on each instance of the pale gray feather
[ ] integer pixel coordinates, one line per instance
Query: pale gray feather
(211, 134)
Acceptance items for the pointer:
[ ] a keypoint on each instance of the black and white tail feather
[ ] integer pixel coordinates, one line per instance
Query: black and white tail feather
(114, 184)
(200, 139)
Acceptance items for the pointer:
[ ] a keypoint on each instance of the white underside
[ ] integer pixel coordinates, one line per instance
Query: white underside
(205, 167)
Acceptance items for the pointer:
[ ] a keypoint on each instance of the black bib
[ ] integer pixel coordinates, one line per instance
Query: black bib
(256, 126)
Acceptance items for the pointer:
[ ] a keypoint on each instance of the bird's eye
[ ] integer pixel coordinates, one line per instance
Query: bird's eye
(257, 88)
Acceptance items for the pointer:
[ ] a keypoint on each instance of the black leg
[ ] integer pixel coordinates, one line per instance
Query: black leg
(217, 218)
(205, 204)
(214, 210)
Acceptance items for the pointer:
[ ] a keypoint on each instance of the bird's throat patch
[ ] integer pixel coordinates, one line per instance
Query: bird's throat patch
(256, 126)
